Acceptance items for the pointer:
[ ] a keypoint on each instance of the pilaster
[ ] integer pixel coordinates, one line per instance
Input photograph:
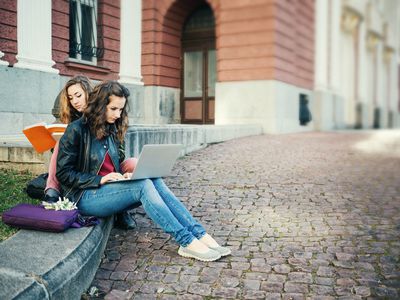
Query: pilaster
(34, 36)
(131, 42)
(321, 45)
(335, 53)
(350, 23)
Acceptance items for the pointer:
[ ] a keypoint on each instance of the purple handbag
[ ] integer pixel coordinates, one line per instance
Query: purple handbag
(29, 216)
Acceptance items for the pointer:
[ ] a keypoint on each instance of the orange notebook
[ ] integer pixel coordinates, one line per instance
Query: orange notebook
(43, 137)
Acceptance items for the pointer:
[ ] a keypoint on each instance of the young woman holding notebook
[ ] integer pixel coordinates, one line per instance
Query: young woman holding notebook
(89, 158)
(73, 101)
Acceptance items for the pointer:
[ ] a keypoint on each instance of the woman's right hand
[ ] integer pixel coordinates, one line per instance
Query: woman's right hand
(111, 177)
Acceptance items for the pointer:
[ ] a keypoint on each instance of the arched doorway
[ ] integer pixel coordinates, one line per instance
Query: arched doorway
(198, 67)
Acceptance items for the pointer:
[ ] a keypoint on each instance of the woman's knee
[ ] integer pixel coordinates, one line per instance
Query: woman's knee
(149, 192)
(147, 185)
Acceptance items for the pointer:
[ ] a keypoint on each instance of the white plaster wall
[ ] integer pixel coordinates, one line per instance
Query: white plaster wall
(328, 110)
(273, 104)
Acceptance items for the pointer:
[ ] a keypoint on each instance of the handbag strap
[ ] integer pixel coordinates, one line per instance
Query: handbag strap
(85, 221)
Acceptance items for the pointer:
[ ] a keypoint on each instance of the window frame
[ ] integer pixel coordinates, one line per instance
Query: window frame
(93, 4)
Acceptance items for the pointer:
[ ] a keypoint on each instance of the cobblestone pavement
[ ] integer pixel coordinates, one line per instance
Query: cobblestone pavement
(308, 216)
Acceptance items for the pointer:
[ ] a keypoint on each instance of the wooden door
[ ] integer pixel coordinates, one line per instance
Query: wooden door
(198, 86)
(198, 67)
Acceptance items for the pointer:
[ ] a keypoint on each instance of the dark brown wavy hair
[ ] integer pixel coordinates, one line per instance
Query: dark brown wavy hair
(95, 112)
(67, 111)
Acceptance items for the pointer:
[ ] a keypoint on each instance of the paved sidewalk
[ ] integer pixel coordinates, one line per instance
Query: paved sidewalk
(308, 216)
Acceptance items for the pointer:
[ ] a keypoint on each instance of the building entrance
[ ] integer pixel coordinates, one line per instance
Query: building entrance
(199, 68)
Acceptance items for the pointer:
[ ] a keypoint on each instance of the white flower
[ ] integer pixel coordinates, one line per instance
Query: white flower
(61, 204)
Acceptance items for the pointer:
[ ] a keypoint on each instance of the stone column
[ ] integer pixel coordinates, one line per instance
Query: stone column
(350, 25)
(362, 68)
(131, 42)
(34, 36)
(334, 46)
(381, 84)
(321, 45)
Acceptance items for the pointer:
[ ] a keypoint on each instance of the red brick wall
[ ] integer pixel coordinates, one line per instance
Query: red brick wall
(109, 20)
(162, 24)
(256, 40)
(60, 34)
(295, 36)
(245, 40)
(266, 39)
(8, 30)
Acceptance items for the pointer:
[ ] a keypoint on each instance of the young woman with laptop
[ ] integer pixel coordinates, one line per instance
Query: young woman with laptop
(72, 102)
(89, 158)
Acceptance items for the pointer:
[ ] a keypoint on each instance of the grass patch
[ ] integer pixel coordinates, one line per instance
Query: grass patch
(12, 184)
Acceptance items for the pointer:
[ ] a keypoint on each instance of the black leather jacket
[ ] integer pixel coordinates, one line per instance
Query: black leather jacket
(81, 156)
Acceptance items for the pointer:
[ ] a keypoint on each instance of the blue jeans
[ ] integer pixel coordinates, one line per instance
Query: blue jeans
(162, 206)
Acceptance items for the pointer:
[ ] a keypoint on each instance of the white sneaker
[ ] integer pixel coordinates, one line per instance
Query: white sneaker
(210, 255)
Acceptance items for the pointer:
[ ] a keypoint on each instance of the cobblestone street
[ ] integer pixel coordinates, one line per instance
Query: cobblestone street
(308, 216)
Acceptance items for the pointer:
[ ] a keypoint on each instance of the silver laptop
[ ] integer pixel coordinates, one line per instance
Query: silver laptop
(155, 160)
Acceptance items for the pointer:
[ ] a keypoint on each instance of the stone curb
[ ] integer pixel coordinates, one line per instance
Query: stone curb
(42, 265)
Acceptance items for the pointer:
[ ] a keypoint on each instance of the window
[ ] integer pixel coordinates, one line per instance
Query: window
(83, 39)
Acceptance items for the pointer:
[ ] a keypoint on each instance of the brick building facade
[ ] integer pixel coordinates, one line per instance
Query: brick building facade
(209, 61)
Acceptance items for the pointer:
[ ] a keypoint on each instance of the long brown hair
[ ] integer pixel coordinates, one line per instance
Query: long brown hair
(95, 112)
(67, 111)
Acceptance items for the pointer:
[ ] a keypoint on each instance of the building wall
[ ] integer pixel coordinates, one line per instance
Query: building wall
(265, 52)
(266, 40)
(265, 60)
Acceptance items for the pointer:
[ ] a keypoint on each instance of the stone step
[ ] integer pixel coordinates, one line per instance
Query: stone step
(17, 153)
(193, 137)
